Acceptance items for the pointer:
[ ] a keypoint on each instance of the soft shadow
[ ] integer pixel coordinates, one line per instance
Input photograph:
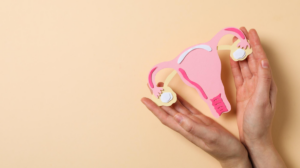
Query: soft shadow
(227, 79)
(283, 105)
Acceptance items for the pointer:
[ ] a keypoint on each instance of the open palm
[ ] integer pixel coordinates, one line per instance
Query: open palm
(255, 91)
(202, 131)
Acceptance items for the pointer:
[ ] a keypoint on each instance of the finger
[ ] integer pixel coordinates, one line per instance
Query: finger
(160, 84)
(188, 106)
(234, 39)
(258, 51)
(164, 117)
(175, 108)
(246, 73)
(236, 72)
(195, 113)
(273, 94)
(197, 129)
(264, 75)
(181, 108)
(250, 58)
(204, 119)
(169, 109)
(264, 80)
(252, 64)
(244, 30)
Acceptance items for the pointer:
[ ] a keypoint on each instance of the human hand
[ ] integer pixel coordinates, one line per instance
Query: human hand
(256, 94)
(202, 131)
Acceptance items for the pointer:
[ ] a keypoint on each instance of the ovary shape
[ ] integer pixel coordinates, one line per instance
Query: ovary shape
(166, 97)
(200, 67)
(239, 54)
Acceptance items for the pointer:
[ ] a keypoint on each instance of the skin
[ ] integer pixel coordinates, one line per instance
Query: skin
(202, 131)
(256, 94)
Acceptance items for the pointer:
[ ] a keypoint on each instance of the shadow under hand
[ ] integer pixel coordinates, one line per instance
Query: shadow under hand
(228, 83)
(283, 102)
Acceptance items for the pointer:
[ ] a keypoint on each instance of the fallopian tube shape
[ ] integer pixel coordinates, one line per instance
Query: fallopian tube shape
(200, 67)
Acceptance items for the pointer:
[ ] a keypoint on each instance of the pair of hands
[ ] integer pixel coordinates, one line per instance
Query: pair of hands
(255, 99)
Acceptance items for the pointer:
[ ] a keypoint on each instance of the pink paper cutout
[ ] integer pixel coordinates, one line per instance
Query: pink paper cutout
(238, 31)
(219, 104)
(193, 83)
(202, 70)
(149, 78)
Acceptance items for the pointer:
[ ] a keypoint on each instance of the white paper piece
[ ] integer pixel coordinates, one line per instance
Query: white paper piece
(184, 54)
(166, 97)
(239, 54)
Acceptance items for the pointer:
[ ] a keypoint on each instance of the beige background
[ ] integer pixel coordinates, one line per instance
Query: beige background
(72, 73)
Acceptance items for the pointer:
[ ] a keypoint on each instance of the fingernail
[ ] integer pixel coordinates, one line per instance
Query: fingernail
(264, 64)
(178, 118)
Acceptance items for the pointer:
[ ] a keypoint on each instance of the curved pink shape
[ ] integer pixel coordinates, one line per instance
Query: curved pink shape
(150, 77)
(239, 32)
(193, 83)
(201, 69)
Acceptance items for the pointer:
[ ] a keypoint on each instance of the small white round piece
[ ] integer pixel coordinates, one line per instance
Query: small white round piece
(166, 97)
(239, 54)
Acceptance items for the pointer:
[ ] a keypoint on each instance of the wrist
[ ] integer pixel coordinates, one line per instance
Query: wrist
(264, 154)
(259, 144)
(240, 161)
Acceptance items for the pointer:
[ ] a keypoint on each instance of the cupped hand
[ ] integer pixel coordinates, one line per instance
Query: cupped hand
(202, 131)
(256, 94)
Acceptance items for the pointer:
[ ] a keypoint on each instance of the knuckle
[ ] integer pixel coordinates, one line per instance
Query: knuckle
(189, 128)
(262, 104)
(266, 78)
(213, 137)
(255, 73)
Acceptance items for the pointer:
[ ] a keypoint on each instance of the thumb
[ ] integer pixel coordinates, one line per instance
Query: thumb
(264, 81)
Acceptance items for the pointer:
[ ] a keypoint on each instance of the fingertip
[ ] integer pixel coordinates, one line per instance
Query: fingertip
(160, 84)
(253, 33)
(244, 30)
(258, 51)
(243, 27)
(234, 39)
(233, 63)
(145, 100)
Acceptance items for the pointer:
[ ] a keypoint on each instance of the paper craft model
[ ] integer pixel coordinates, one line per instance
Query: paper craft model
(200, 67)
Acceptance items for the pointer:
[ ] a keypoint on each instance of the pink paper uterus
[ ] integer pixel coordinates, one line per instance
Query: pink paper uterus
(200, 67)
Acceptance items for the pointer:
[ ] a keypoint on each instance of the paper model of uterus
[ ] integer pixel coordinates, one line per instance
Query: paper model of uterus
(200, 67)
